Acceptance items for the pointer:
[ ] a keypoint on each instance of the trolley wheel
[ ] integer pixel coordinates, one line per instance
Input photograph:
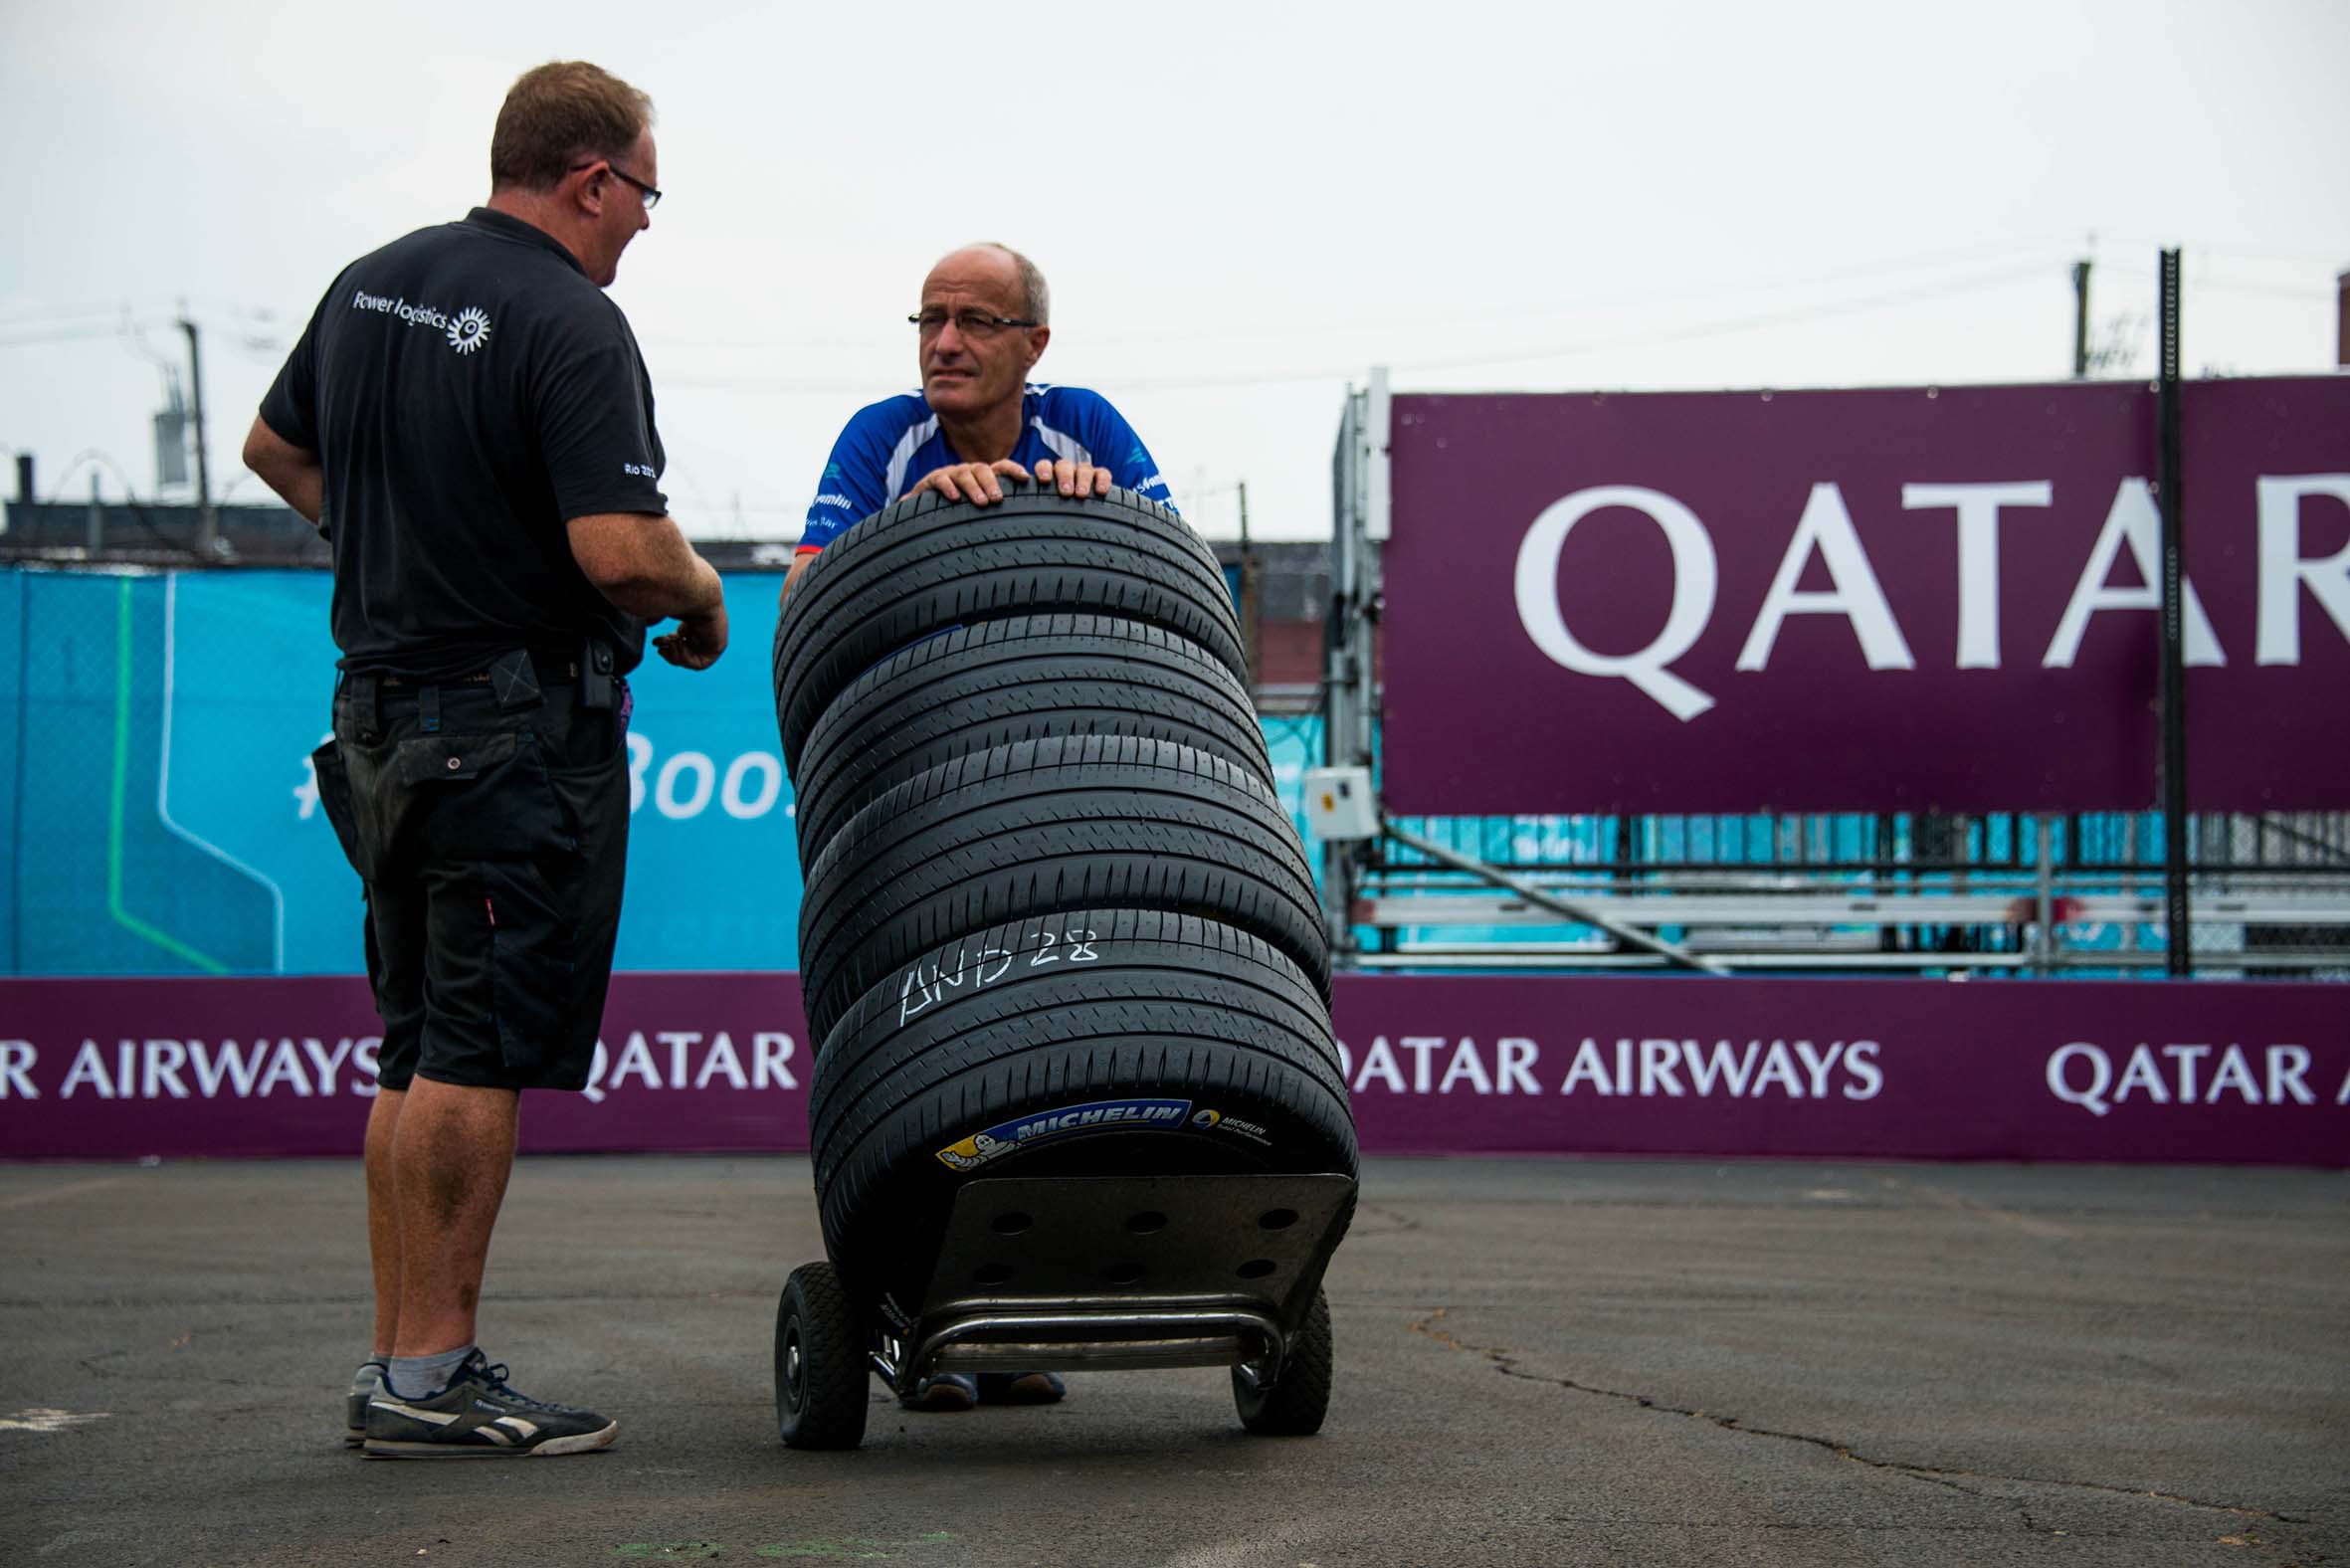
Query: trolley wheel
(1294, 1406)
(820, 1367)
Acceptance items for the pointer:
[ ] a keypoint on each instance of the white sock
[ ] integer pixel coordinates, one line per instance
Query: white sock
(421, 1377)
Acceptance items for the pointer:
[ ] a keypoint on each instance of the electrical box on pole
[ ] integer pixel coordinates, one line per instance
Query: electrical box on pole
(171, 436)
(1340, 807)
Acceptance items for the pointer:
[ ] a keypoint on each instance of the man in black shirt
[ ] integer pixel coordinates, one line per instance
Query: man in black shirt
(469, 422)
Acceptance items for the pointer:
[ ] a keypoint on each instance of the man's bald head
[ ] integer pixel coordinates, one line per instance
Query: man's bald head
(1014, 269)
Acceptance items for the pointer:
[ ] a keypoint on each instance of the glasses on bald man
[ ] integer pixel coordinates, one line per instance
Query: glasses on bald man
(971, 324)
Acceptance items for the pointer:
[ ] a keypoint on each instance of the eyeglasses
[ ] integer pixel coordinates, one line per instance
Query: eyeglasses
(971, 324)
(652, 197)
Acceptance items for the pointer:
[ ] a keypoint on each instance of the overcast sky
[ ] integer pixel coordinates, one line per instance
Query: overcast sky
(1240, 207)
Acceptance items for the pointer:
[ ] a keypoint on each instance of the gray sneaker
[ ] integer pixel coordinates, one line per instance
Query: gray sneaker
(479, 1416)
(1021, 1388)
(366, 1383)
(942, 1391)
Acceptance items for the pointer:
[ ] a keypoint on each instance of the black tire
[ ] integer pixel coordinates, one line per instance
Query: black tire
(1048, 827)
(927, 565)
(1023, 678)
(1293, 1407)
(984, 995)
(820, 1363)
(1168, 1008)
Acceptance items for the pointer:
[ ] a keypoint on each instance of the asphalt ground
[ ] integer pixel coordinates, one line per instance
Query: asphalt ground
(1539, 1362)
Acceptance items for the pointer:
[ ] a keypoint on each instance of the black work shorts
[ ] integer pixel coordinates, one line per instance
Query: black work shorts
(491, 850)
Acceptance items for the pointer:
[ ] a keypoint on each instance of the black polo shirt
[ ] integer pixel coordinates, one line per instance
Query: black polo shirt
(469, 389)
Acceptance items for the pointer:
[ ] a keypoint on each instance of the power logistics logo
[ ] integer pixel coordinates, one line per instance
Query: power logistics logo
(467, 331)
(1101, 1115)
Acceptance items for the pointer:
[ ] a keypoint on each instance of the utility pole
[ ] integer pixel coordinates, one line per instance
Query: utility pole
(2081, 319)
(2044, 901)
(207, 520)
(2342, 320)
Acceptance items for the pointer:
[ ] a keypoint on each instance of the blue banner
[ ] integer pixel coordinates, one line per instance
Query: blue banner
(162, 820)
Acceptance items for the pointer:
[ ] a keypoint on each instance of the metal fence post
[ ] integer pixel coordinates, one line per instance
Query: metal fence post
(1339, 634)
(2175, 916)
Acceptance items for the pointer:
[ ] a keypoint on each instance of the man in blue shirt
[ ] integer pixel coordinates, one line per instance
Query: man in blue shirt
(984, 323)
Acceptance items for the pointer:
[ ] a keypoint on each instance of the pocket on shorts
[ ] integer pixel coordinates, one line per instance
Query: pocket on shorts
(334, 799)
(592, 805)
(488, 795)
(427, 759)
(534, 948)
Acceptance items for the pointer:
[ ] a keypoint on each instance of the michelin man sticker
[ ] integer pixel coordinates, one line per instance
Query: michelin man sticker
(1010, 1137)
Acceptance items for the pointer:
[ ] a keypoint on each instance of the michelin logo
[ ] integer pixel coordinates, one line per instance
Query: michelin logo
(1217, 1119)
(968, 1155)
(833, 498)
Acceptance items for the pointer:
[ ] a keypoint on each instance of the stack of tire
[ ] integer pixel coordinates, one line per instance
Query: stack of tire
(1046, 871)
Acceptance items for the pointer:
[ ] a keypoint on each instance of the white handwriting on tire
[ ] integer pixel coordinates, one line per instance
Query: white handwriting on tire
(926, 984)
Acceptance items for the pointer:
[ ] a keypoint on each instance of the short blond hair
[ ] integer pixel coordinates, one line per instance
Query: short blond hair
(557, 114)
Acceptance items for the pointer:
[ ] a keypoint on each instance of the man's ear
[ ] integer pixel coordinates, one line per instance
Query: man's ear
(587, 188)
(1038, 338)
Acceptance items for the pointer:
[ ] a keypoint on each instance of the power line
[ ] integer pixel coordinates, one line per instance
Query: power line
(2235, 252)
(1527, 311)
(2209, 285)
(39, 315)
(1629, 301)
(1720, 329)
(1725, 329)
(99, 457)
(1646, 339)
(60, 334)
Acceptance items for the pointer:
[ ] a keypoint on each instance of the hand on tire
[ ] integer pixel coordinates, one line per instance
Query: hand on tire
(975, 482)
(1073, 479)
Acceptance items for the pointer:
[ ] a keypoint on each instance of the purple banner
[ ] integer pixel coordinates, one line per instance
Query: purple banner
(1862, 600)
(221, 1069)
(2206, 1071)
(2242, 1072)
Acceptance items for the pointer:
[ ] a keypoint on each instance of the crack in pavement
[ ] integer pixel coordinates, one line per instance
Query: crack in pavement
(1506, 1363)
(1396, 1221)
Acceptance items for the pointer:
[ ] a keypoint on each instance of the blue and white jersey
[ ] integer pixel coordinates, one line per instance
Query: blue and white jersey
(887, 449)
